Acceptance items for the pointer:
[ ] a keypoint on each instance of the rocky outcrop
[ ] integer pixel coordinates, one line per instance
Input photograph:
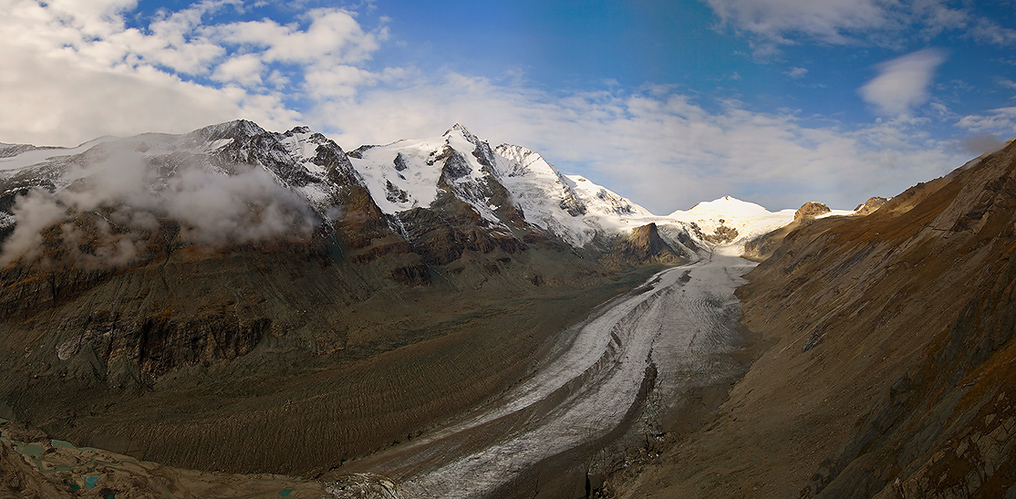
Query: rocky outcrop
(721, 235)
(761, 247)
(643, 246)
(869, 206)
(810, 210)
(33, 466)
(363, 486)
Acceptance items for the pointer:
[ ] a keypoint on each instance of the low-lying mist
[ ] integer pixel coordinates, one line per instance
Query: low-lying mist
(116, 198)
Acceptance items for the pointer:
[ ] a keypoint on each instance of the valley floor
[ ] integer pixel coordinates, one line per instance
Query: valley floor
(611, 390)
(629, 372)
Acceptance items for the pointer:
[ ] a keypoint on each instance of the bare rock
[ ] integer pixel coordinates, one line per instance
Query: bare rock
(869, 206)
(810, 210)
(644, 246)
(721, 235)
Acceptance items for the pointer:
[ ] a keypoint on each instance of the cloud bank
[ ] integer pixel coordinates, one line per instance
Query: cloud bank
(81, 72)
(114, 205)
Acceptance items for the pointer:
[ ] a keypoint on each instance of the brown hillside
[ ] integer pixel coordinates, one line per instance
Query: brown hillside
(890, 367)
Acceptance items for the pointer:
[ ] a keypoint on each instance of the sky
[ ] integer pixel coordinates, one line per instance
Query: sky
(667, 102)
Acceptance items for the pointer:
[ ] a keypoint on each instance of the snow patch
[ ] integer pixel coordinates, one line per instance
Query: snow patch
(36, 156)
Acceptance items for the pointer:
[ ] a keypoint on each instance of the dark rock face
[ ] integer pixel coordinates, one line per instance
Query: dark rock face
(455, 167)
(400, 163)
(441, 236)
(415, 275)
(573, 206)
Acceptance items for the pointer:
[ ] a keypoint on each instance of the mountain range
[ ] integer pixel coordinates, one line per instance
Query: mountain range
(375, 197)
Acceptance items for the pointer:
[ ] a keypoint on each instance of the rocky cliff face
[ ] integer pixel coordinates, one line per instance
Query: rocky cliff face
(888, 369)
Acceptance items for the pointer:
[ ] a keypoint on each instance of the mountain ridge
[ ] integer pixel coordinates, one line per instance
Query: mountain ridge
(404, 174)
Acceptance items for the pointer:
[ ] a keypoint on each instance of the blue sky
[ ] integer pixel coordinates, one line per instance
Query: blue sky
(667, 102)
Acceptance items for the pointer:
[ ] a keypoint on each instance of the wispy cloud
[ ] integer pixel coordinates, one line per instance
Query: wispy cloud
(797, 73)
(1007, 83)
(212, 209)
(980, 144)
(829, 21)
(1001, 121)
(902, 83)
(774, 23)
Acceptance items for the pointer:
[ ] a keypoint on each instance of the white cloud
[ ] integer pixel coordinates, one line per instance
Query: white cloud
(902, 83)
(797, 73)
(771, 23)
(91, 17)
(1001, 121)
(63, 101)
(334, 35)
(80, 72)
(830, 21)
(244, 69)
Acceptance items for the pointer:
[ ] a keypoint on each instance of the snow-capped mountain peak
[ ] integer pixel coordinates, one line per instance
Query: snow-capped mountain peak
(727, 204)
(230, 129)
(461, 130)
